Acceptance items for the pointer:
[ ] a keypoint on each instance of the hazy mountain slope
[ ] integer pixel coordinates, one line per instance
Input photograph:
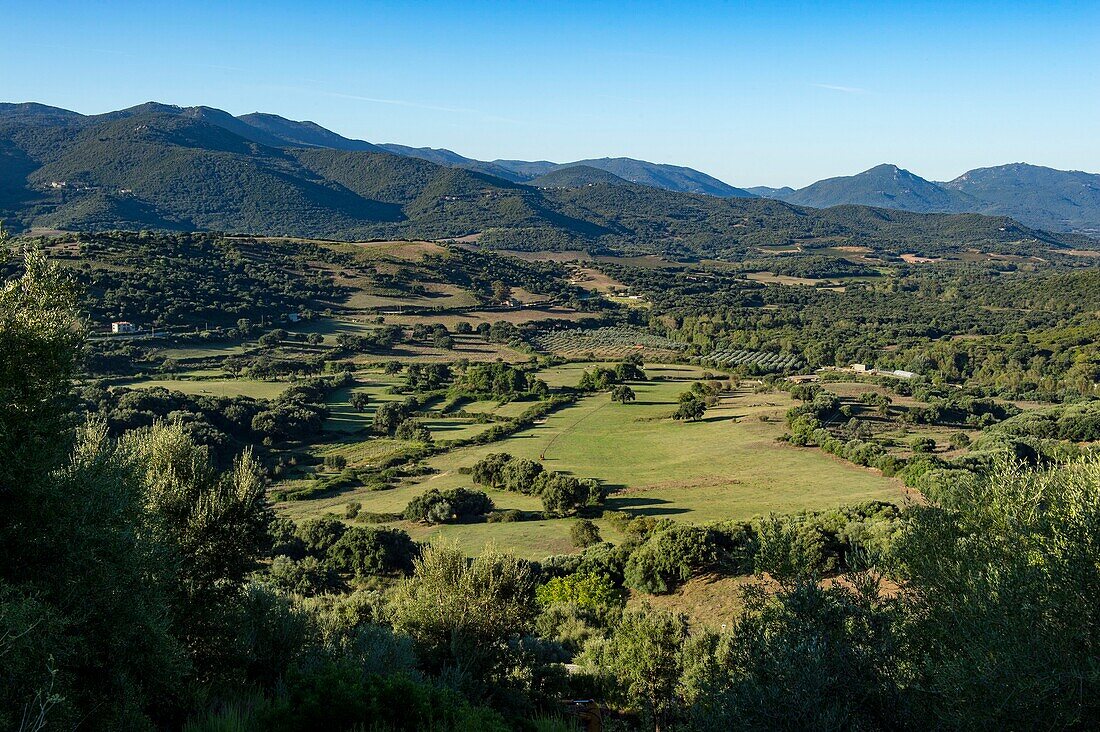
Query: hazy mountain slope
(442, 156)
(780, 194)
(652, 220)
(886, 186)
(656, 175)
(528, 169)
(668, 177)
(576, 175)
(1062, 200)
(302, 134)
(32, 112)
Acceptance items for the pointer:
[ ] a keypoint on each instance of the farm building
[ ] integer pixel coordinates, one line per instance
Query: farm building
(123, 326)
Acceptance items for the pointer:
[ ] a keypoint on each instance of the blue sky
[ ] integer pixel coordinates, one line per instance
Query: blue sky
(761, 93)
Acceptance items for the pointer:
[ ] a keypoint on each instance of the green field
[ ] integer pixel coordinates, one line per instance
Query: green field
(727, 466)
(214, 387)
(343, 418)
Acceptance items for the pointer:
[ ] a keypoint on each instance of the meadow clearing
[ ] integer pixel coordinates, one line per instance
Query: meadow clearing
(729, 465)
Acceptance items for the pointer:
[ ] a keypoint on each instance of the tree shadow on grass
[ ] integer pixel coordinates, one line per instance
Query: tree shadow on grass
(721, 418)
(642, 506)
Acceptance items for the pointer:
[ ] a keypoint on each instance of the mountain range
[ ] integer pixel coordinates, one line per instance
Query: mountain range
(1056, 200)
(163, 167)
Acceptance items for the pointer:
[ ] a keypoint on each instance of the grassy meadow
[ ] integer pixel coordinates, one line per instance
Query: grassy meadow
(729, 465)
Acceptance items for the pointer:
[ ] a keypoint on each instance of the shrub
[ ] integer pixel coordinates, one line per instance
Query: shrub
(959, 440)
(319, 534)
(364, 551)
(440, 507)
(463, 613)
(691, 408)
(413, 429)
(308, 576)
(584, 533)
(387, 417)
(565, 495)
(585, 590)
(520, 475)
(671, 557)
(924, 444)
(488, 470)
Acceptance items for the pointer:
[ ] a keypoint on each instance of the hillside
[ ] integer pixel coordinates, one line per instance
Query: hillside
(647, 220)
(449, 158)
(575, 176)
(668, 177)
(1044, 198)
(1062, 200)
(885, 186)
(769, 192)
(303, 134)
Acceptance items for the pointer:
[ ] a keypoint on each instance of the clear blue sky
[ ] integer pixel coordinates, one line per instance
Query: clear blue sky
(754, 93)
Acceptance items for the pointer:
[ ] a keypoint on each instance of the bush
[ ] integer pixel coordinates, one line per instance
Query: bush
(364, 551)
(565, 495)
(319, 534)
(691, 408)
(959, 440)
(387, 417)
(464, 614)
(671, 557)
(520, 475)
(924, 444)
(307, 576)
(488, 471)
(413, 429)
(584, 533)
(441, 507)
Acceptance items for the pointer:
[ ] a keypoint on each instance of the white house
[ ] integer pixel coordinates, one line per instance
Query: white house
(123, 326)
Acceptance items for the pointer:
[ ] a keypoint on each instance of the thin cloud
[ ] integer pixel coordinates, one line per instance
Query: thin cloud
(405, 103)
(837, 88)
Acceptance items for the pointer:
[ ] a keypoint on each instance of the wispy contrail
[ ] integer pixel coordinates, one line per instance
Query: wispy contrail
(403, 103)
(845, 89)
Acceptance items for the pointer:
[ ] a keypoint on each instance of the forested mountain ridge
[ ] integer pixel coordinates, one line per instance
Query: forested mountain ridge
(1045, 198)
(1060, 200)
(276, 131)
(575, 176)
(167, 168)
(886, 186)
